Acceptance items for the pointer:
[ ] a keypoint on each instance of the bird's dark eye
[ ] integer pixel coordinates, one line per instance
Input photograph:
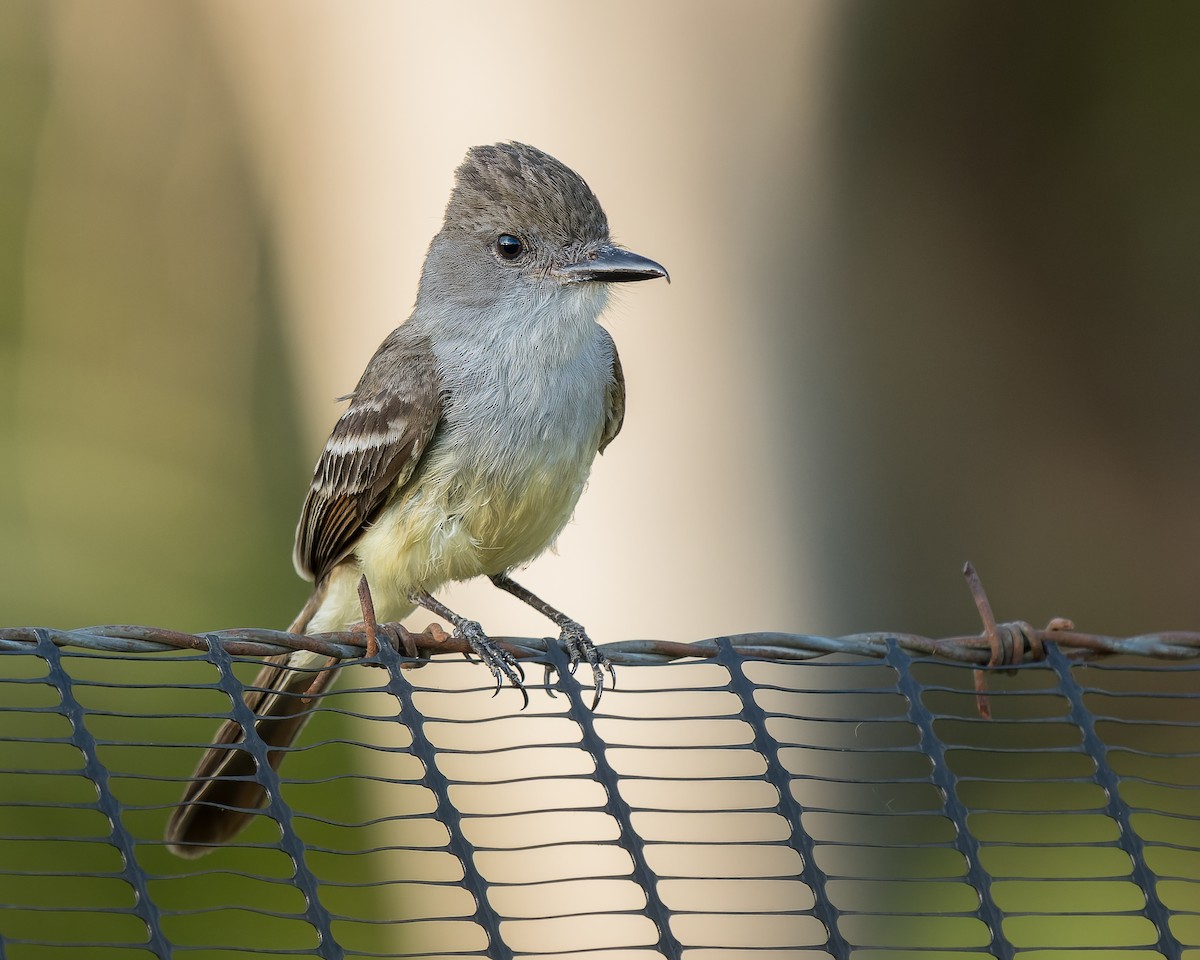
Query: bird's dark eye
(509, 247)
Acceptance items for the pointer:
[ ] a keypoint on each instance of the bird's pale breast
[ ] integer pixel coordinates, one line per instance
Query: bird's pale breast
(501, 479)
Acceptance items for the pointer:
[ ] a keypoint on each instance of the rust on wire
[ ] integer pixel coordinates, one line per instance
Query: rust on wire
(1008, 643)
(999, 645)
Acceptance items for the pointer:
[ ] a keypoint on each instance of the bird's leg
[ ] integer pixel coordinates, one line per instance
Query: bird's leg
(502, 664)
(573, 636)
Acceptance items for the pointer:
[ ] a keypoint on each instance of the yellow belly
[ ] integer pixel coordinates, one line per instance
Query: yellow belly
(451, 525)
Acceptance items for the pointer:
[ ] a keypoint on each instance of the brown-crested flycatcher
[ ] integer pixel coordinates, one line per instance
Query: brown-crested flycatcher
(464, 449)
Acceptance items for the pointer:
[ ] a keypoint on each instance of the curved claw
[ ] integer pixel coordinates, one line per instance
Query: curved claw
(580, 648)
(500, 662)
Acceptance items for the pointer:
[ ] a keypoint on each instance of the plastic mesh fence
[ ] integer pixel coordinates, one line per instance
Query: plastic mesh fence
(716, 809)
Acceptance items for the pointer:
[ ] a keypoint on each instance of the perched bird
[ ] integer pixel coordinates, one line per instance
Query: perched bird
(463, 450)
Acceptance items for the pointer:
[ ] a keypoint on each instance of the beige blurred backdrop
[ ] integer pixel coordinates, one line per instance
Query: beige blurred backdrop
(343, 125)
(934, 298)
(356, 117)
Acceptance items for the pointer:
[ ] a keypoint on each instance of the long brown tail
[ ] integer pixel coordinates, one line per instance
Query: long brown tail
(216, 806)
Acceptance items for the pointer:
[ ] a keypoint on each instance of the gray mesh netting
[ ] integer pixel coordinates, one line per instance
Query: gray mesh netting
(732, 806)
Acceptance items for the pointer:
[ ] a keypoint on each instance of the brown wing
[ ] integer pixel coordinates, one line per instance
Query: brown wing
(373, 449)
(614, 398)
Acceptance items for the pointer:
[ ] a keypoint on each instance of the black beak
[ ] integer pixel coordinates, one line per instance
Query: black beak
(613, 265)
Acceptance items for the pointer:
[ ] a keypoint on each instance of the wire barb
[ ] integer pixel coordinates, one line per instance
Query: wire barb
(1008, 643)
(998, 646)
(368, 609)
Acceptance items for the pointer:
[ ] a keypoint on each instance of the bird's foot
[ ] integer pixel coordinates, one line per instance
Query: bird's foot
(504, 665)
(579, 649)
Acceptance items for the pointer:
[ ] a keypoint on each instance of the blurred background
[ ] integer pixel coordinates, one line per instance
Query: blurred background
(934, 298)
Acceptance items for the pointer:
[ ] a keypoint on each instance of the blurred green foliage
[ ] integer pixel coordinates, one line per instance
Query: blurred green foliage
(150, 445)
(151, 470)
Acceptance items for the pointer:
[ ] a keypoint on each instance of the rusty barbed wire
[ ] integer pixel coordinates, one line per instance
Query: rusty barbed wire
(998, 645)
